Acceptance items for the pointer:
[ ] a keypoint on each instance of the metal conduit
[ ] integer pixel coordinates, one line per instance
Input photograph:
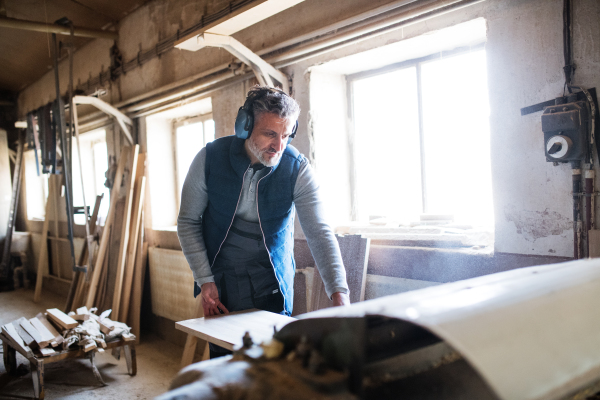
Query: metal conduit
(55, 28)
(304, 48)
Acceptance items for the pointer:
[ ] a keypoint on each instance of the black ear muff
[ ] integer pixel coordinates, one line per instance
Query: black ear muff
(244, 122)
(293, 135)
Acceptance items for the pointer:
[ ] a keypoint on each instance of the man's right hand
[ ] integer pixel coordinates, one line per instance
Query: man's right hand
(210, 300)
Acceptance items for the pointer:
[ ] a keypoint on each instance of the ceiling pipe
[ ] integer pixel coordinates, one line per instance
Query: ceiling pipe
(55, 28)
(381, 21)
(383, 24)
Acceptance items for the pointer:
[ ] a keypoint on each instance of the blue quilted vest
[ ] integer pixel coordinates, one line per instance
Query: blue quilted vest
(226, 164)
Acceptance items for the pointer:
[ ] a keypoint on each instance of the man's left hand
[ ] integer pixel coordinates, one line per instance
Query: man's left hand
(340, 299)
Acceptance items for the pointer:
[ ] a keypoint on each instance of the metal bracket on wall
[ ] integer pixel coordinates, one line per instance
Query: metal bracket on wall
(262, 69)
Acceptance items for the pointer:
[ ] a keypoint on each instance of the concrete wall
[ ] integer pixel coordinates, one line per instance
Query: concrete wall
(532, 198)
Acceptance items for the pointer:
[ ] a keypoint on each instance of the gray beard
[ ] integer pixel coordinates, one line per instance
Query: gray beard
(258, 153)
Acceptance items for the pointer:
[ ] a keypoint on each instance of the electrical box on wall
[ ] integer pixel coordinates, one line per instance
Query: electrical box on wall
(565, 128)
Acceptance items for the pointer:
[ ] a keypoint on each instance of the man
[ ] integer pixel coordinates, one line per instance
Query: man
(236, 221)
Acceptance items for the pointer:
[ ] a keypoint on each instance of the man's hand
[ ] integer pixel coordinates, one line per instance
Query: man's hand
(210, 300)
(339, 299)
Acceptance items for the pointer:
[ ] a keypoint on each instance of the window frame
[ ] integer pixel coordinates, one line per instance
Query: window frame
(351, 78)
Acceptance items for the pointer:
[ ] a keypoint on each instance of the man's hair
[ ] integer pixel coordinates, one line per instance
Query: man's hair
(266, 99)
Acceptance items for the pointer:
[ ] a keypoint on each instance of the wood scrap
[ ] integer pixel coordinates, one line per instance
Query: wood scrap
(35, 334)
(91, 345)
(47, 352)
(58, 338)
(15, 340)
(27, 338)
(128, 337)
(79, 317)
(106, 325)
(62, 319)
(82, 310)
(46, 335)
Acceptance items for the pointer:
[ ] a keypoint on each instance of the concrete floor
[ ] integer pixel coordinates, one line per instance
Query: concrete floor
(157, 363)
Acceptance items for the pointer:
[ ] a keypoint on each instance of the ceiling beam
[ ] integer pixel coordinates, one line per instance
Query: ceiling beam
(55, 28)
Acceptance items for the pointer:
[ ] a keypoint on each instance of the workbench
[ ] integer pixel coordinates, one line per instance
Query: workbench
(37, 361)
(227, 330)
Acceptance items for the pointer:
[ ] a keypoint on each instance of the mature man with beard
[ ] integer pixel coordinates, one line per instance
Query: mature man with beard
(236, 222)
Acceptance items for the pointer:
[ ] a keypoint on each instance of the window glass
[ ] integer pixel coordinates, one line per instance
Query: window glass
(450, 132)
(456, 137)
(190, 139)
(36, 188)
(94, 165)
(100, 167)
(386, 121)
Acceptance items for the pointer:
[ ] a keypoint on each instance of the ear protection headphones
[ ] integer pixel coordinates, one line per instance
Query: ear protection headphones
(244, 122)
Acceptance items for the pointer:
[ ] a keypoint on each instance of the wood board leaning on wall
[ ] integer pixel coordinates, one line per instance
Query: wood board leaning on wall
(117, 258)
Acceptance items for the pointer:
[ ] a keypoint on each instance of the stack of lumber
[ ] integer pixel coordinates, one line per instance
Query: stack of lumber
(117, 265)
(54, 331)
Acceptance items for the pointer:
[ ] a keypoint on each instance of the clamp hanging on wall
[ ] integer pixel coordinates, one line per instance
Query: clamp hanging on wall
(262, 69)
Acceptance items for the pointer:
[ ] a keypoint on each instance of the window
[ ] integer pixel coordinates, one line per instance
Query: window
(422, 139)
(409, 121)
(191, 135)
(173, 138)
(36, 188)
(94, 163)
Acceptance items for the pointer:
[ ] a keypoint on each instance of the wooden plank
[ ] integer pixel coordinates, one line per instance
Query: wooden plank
(106, 237)
(75, 299)
(47, 352)
(116, 304)
(41, 328)
(355, 255)
(135, 304)
(61, 318)
(90, 346)
(136, 222)
(37, 336)
(300, 300)
(44, 321)
(43, 260)
(56, 234)
(27, 338)
(11, 335)
(80, 317)
(82, 310)
(227, 330)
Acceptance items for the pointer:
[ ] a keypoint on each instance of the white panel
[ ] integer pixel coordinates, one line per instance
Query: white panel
(531, 333)
(252, 16)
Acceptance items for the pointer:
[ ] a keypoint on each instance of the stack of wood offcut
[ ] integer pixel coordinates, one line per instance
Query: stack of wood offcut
(116, 269)
(54, 331)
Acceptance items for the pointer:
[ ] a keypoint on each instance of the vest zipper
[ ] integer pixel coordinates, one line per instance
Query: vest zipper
(265, 241)
(231, 223)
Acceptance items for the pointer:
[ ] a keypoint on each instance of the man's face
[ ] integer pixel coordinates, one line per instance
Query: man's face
(269, 139)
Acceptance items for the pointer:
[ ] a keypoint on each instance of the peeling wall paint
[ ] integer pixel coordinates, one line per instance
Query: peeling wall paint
(537, 224)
